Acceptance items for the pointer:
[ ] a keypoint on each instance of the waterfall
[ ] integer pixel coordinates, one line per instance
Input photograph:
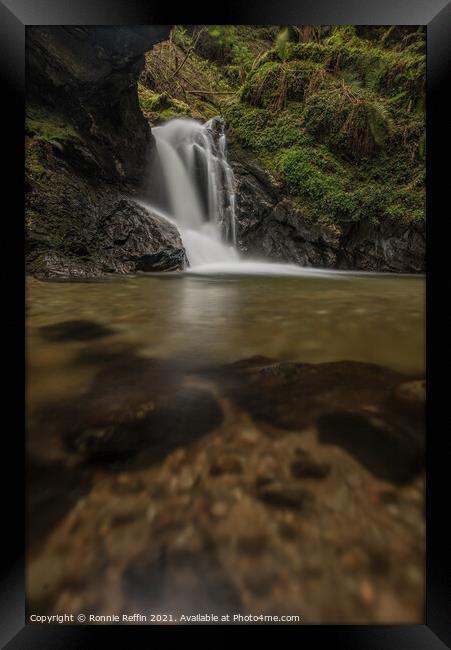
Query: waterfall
(191, 184)
(194, 185)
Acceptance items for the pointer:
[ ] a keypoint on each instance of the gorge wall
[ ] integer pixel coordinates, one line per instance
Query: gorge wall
(86, 148)
(326, 139)
(271, 225)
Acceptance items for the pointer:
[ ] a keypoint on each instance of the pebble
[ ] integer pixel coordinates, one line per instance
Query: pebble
(44, 576)
(366, 593)
(150, 513)
(186, 480)
(249, 436)
(219, 509)
(288, 496)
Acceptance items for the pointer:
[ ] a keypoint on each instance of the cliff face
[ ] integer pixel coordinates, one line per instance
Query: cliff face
(270, 225)
(86, 149)
(89, 75)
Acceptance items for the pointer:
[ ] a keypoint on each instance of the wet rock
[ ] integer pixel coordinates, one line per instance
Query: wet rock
(292, 395)
(106, 443)
(156, 426)
(410, 399)
(390, 246)
(226, 465)
(286, 495)
(308, 468)
(117, 235)
(412, 392)
(352, 404)
(389, 452)
(75, 330)
(165, 533)
(273, 226)
(134, 238)
(190, 414)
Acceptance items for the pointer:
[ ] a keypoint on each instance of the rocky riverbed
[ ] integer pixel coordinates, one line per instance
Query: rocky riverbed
(248, 487)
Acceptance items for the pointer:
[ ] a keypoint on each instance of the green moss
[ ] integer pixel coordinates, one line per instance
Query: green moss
(332, 191)
(327, 186)
(265, 131)
(161, 106)
(272, 84)
(36, 163)
(49, 127)
(383, 71)
(397, 74)
(153, 102)
(352, 120)
(337, 121)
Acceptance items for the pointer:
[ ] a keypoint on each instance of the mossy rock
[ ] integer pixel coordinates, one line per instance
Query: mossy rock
(160, 107)
(49, 127)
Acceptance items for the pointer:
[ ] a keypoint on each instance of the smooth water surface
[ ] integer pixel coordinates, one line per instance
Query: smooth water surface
(199, 319)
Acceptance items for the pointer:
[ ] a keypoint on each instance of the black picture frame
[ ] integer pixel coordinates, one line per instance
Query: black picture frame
(15, 15)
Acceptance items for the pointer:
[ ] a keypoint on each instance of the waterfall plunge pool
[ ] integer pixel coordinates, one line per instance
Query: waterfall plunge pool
(205, 318)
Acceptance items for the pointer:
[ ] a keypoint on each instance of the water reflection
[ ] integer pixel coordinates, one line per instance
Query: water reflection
(202, 478)
(224, 318)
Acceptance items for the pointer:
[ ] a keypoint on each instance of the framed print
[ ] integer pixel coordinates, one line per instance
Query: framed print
(226, 367)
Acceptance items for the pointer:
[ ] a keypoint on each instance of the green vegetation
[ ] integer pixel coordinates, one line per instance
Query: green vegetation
(334, 113)
(48, 127)
(45, 132)
(162, 107)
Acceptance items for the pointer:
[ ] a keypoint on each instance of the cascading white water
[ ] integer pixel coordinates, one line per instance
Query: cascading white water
(197, 188)
(193, 186)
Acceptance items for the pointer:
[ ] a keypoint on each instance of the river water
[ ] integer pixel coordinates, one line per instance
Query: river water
(205, 319)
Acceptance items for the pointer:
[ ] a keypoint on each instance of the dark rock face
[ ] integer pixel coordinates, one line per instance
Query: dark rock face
(271, 226)
(89, 74)
(390, 247)
(88, 155)
(107, 233)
